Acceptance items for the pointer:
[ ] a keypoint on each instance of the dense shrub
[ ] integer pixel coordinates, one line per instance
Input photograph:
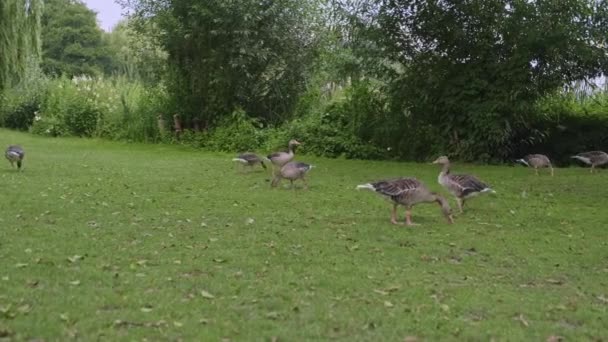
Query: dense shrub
(114, 108)
(20, 104)
(569, 123)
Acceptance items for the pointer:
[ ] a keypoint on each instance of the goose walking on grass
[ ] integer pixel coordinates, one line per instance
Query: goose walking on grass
(593, 158)
(249, 159)
(461, 186)
(408, 192)
(292, 171)
(15, 154)
(536, 161)
(281, 158)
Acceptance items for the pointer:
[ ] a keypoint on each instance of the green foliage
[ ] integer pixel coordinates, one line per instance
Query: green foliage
(20, 104)
(19, 39)
(238, 132)
(476, 68)
(72, 41)
(225, 55)
(570, 122)
(114, 108)
(135, 54)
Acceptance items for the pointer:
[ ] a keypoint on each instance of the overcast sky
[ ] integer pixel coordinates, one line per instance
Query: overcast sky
(108, 12)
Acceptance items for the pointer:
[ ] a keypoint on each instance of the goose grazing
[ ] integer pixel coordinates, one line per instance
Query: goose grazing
(279, 159)
(292, 171)
(15, 154)
(593, 158)
(408, 192)
(537, 161)
(461, 186)
(249, 159)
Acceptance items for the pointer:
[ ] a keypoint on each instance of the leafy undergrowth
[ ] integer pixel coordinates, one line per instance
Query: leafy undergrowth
(126, 242)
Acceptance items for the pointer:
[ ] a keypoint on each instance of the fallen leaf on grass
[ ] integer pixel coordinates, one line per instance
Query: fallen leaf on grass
(207, 295)
(272, 315)
(146, 309)
(554, 338)
(75, 258)
(522, 319)
(388, 304)
(75, 283)
(20, 265)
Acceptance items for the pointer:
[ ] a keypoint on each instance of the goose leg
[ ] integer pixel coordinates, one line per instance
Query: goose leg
(305, 183)
(408, 218)
(552, 174)
(536, 171)
(591, 170)
(394, 215)
(460, 203)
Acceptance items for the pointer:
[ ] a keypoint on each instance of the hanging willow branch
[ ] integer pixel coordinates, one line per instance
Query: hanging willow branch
(20, 42)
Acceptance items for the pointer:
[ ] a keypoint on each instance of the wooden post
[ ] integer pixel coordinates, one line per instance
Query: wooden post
(177, 125)
(196, 123)
(162, 124)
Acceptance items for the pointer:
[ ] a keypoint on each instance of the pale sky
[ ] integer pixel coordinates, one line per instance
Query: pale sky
(108, 12)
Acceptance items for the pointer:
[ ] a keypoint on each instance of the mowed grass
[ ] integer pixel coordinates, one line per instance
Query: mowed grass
(109, 241)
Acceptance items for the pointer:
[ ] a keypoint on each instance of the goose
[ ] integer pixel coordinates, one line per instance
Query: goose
(408, 192)
(281, 158)
(536, 161)
(15, 154)
(461, 186)
(292, 171)
(593, 158)
(249, 159)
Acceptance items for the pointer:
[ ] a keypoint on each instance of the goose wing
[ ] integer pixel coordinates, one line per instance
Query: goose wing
(396, 187)
(276, 155)
(250, 157)
(467, 184)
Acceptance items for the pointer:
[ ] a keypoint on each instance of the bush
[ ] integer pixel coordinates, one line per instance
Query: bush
(19, 105)
(114, 108)
(569, 123)
(237, 132)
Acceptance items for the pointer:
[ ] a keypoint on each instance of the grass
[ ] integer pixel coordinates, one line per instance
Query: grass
(111, 241)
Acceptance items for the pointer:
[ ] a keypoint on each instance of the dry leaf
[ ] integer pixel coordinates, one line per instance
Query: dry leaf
(388, 304)
(207, 295)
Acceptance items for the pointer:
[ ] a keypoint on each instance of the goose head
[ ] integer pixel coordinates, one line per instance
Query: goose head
(443, 160)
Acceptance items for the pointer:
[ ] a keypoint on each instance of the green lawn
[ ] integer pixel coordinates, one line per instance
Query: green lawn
(111, 241)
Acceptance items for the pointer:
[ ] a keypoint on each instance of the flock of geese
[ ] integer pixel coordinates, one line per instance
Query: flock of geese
(410, 191)
(406, 192)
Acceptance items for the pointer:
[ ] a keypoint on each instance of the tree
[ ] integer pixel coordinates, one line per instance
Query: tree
(72, 41)
(19, 38)
(228, 54)
(135, 54)
(475, 67)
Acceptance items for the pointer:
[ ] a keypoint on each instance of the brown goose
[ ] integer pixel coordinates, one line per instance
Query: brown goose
(279, 159)
(292, 171)
(15, 154)
(593, 158)
(461, 186)
(249, 159)
(408, 192)
(537, 161)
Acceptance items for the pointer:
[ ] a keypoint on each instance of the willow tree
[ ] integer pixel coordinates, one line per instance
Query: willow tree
(19, 38)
